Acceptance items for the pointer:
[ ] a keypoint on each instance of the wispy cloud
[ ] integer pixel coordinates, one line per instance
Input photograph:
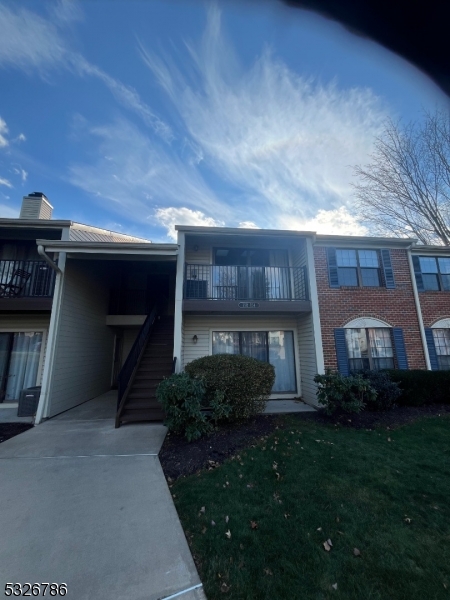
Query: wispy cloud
(33, 43)
(7, 212)
(334, 221)
(284, 141)
(3, 133)
(5, 182)
(136, 174)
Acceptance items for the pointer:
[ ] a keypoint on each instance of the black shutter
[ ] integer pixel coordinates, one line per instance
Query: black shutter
(418, 273)
(399, 346)
(341, 351)
(389, 280)
(332, 268)
(431, 349)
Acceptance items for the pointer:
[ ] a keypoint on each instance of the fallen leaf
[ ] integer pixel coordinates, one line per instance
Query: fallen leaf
(228, 534)
(319, 529)
(389, 440)
(241, 546)
(327, 546)
(337, 519)
(356, 552)
(408, 520)
(227, 518)
(204, 530)
(202, 510)
(329, 542)
(286, 515)
(224, 588)
(253, 524)
(268, 572)
(278, 475)
(334, 586)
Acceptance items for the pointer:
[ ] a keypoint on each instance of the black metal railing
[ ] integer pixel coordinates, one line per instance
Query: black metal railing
(214, 282)
(26, 279)
(133, 357)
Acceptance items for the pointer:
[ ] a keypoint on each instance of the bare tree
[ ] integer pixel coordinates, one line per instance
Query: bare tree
(405, 190)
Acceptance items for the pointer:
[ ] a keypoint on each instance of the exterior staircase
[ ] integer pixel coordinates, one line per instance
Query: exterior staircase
(140, 403)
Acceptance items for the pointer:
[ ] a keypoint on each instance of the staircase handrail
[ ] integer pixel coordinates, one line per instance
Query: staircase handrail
(132, 360)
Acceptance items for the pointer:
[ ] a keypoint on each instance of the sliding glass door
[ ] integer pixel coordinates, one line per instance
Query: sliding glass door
(275, 347)
(19, 363)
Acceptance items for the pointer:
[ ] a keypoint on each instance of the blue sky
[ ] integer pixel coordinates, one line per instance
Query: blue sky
(141, 114)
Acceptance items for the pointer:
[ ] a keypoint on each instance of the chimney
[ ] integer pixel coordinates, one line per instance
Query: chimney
(35, 206)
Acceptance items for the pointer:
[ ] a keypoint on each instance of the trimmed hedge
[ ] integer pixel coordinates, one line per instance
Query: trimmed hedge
(246, 383)
(387, 391)
(422, 387)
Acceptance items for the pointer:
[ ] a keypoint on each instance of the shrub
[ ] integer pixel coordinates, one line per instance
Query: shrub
(422, 387)
(245, 382)
(181, 398)
(388, 392)
(342, 393)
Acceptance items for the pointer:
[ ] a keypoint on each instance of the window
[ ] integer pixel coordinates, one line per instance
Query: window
(435, 273)
(358, 268)
(369, 348)
(442, 344)
(274, 347)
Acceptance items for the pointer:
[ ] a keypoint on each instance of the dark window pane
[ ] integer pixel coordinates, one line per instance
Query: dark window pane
(430, 281)
(225, 342)
(347, 276)
(444, 363)
(370, 277)
(254, 344)
(446, 282)
(383, 363)
(359, 364)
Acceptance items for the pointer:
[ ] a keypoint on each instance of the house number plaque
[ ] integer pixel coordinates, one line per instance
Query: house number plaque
(248, 304)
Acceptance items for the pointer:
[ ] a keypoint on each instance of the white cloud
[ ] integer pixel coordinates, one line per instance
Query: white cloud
(7, 212)
(3, 132)
(248, 225)
(20, 138)
(171, 216)
(5, 182)
(338, 222)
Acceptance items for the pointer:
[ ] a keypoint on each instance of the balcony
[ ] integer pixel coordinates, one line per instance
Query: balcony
(222, 289)
(26, 284)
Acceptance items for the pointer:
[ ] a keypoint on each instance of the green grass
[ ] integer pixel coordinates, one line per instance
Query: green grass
(357, 486)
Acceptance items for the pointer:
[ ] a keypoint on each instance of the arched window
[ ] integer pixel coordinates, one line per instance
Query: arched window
(369, 344)
(439, 345)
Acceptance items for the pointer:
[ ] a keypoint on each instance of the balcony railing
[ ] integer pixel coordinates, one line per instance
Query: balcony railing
(26, 279)
(213, 282)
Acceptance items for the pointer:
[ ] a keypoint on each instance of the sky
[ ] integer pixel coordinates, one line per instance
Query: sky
(138, 115)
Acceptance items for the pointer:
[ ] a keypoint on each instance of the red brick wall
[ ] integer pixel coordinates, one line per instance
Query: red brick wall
(434, 306)
(338, 306)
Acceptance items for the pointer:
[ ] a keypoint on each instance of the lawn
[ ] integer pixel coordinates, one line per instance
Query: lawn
(257, 523)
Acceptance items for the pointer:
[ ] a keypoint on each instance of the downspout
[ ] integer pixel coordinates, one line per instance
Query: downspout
(47, 259)
(419, 310)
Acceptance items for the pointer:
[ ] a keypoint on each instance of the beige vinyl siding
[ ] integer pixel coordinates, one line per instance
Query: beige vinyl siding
(202, 327)
(29, 322)
(84, 344)
(307, 355)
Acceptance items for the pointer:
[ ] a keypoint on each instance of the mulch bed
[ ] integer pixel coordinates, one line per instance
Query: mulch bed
(179, 457)
(9, 430)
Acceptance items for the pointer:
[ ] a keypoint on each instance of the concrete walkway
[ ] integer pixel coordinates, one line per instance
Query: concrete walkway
(281, 407)
(88, 505)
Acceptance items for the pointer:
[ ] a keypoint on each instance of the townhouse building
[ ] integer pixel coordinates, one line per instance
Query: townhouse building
(84, 310)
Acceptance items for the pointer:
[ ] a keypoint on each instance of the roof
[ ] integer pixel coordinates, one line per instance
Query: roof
(95, 247)
(242, 231)
(360, 240)
(421, 249)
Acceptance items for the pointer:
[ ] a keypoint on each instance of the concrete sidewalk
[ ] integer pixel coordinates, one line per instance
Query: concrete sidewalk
(88, 505)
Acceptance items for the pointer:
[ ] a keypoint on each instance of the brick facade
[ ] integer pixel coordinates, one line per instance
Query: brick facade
(434, 306)
(396, 307)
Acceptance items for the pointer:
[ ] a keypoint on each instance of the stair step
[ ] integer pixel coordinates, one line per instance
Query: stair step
(150, 376)
(141, 404)
(144, 414)
(141, 394)
(145, 385)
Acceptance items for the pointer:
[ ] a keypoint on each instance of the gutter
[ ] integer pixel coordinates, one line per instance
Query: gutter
(47, 259)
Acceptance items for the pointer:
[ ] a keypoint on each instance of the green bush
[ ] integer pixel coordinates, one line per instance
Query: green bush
(388, 392)
(245, 382)
(181, 398)
(342, 393)
(422, 387)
